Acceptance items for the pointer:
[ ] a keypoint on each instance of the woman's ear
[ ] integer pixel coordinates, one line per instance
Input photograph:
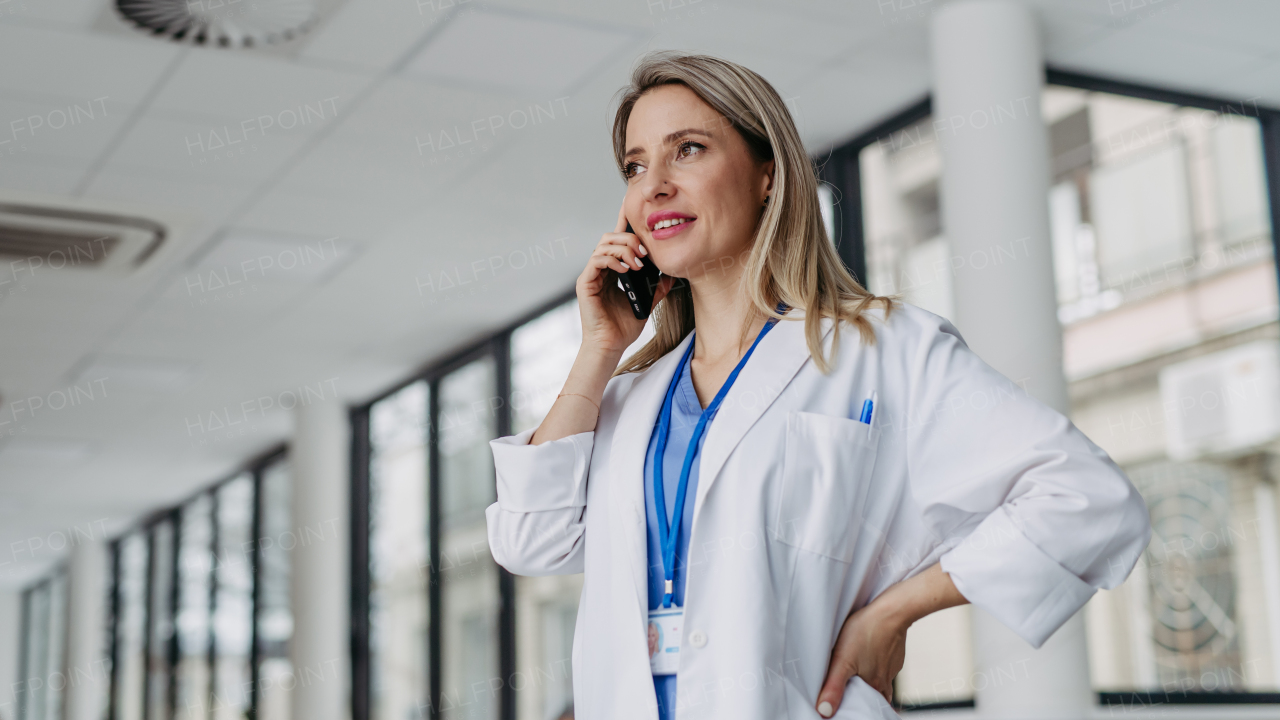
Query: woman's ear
(768, 177)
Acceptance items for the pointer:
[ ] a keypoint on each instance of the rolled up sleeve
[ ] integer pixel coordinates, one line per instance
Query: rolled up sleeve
(537, 526)
(1037, 517)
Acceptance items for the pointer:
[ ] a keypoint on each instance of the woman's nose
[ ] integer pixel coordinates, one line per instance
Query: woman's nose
(656, 182)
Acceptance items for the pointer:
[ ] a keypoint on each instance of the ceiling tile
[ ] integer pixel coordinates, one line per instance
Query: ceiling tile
(80, 130)
(372, 34)
(243, 87)
(528, 55)
(209, 151)
(80, 66)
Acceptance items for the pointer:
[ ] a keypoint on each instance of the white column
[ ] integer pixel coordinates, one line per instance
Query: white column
(10, 648)
(87, 679)
(988, 75)
(320, 579)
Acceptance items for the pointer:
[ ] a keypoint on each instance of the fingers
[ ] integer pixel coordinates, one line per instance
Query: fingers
(622, 217)
(624, 253)
(832, 692)
(604, 261)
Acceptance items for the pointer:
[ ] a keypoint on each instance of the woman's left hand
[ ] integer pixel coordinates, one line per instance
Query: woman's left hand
(873, 640)
(872, 645)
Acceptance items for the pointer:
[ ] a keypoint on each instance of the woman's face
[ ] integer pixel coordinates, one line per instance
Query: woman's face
(685, 162)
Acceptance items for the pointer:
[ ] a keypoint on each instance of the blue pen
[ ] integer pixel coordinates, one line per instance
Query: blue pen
(868, 408)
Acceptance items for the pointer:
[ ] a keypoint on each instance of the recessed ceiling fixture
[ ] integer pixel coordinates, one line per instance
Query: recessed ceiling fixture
(54, 238)
(224, 23)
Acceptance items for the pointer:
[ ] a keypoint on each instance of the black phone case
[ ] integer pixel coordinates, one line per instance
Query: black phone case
(640, 285)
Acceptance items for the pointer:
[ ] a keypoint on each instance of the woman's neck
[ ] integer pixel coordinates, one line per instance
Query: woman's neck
(720, 310)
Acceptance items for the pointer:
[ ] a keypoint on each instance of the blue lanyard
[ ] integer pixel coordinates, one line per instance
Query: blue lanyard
(666, 535)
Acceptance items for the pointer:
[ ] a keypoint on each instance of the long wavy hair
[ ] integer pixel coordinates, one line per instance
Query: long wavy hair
(790, 260)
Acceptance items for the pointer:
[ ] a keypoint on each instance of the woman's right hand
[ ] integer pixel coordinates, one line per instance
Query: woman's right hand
(608, 325)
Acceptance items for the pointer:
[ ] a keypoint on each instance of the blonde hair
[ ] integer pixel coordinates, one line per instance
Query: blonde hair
(791, 259)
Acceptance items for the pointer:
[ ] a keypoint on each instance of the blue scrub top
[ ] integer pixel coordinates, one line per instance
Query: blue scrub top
(685, 411)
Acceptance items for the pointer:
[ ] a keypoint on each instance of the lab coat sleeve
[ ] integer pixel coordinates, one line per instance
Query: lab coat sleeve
(538, 524)
(1037, 517)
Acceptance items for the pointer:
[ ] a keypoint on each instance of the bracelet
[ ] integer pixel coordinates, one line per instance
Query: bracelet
(584, 397)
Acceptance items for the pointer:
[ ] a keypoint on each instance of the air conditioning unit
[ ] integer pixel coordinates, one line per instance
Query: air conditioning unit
(53, 238)
(1226, 403)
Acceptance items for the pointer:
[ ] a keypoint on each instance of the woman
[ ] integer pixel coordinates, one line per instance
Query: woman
(794, 530)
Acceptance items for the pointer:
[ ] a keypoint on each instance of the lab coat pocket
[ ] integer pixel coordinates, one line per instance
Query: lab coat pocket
(826, 471)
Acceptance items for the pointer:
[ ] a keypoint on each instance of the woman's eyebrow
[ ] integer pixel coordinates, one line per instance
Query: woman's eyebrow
(672, 138)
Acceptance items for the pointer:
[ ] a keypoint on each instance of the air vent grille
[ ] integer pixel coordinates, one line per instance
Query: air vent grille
(66, 238)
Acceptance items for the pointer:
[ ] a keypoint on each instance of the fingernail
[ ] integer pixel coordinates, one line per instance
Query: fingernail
(643, 251)
(639, 263)
(824, 709)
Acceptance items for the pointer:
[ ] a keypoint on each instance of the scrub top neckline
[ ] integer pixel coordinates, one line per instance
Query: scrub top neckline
(686, 394)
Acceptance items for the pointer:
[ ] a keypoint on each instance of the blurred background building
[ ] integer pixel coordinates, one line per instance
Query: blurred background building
(276, 271)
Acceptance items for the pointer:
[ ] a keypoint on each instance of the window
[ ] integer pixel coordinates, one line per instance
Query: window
(160, 596)
(185, 586)
(542, 353)
(398, 619)
(39, 693)
(129, 661)
(195, 594)
(232, 599)
(275, 541)
(1167, 296)
(1167, 288)
(466, 571)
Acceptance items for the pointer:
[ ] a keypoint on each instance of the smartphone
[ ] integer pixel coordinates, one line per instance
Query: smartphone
(640, 285)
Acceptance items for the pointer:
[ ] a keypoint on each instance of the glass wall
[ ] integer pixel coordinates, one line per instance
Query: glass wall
(232, 620)
(43, 674)
(184, 628)
(195, 596)
(398, 622)
(542, 353)
(128, 677)
(160, 596)
(1166, 285)
(470, 672)
(274, 615)
(501, 644)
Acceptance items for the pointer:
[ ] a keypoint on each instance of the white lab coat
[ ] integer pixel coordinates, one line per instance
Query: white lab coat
(804, 514)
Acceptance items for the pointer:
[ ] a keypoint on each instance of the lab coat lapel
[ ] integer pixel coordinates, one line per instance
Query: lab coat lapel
(776, 360)
(626, 464)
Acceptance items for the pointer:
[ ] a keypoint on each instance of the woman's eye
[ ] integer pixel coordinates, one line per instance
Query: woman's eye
(631, 169)
(688, 147)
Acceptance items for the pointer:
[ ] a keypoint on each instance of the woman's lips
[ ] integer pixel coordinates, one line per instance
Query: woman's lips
(672, 231)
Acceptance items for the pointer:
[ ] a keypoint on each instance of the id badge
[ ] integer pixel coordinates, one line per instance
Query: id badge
(665, 627)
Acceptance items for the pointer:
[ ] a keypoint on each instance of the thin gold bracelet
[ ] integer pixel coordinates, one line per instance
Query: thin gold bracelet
(584, 397)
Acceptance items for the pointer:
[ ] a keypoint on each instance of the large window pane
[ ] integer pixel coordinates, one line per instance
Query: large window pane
(34, 692)
(1176, 287)
(542, 353)
(468, 575)
(398, 555)
(1167, 297)
(131, 627)
(55, 671)
(195, 577)
(906, 251)
(161, 618)
(275, 618)
(233, 599)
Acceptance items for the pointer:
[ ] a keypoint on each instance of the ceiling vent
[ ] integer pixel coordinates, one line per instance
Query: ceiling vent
(58, 238)
(222, 23)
